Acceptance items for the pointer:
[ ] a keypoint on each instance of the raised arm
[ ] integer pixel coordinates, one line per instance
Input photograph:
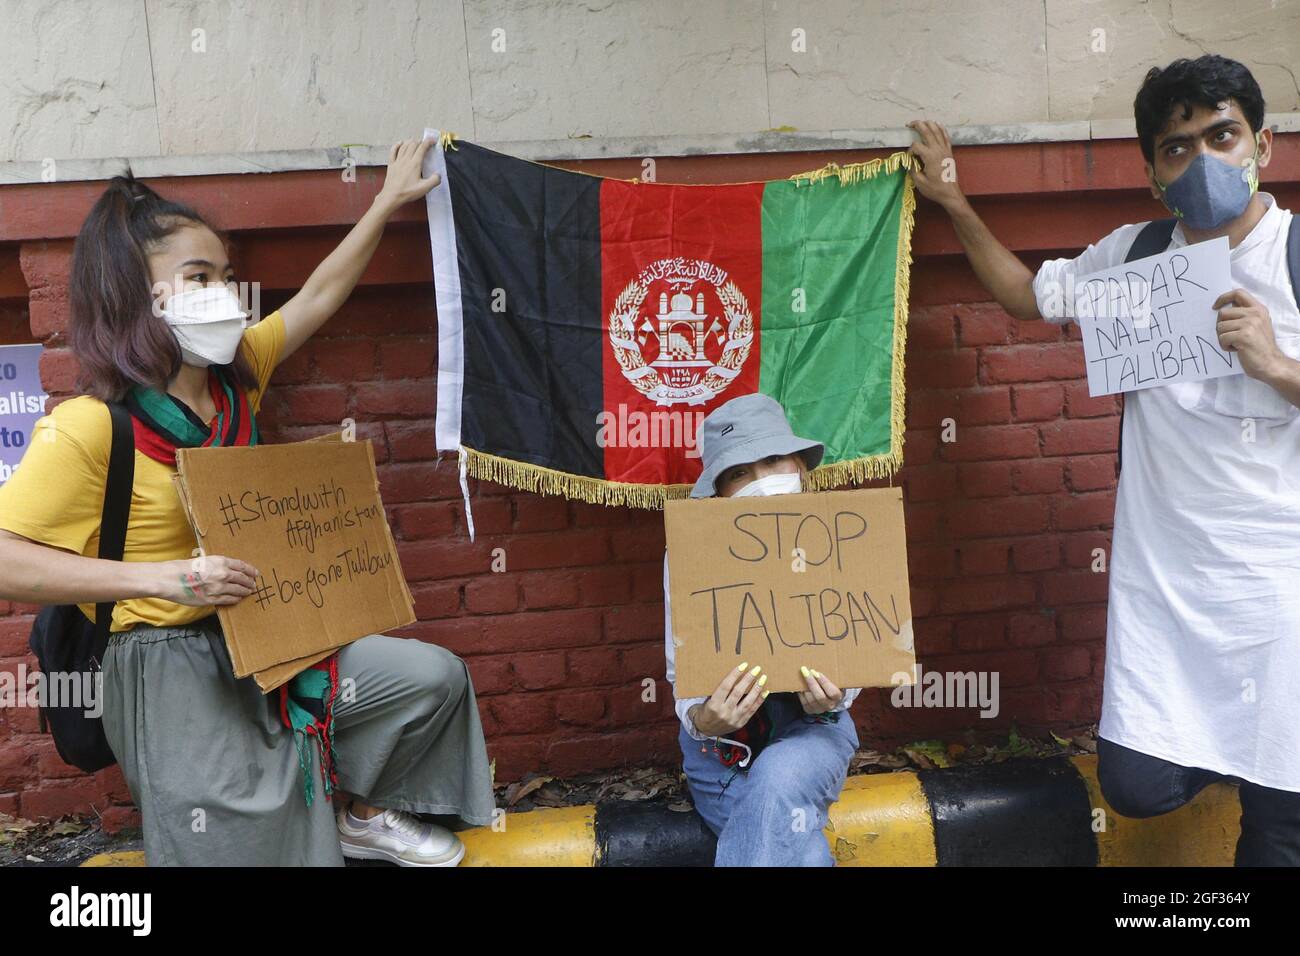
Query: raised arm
(999, 270)
(332, 282)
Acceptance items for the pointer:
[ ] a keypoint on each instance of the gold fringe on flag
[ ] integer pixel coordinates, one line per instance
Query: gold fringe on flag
(548, 481)
(447, 140)
(856, 172)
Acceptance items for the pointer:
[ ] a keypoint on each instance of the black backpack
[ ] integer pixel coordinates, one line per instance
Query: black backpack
(1154, 238)
(68, 646)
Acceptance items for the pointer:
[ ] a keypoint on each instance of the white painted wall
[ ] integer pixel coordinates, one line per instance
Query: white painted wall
(83, 79)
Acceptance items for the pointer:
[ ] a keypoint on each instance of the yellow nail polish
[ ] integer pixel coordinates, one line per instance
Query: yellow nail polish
(765, 693)
(815, 674)
(755, 671)
(742, 667)
(803, 671)
(762, 680)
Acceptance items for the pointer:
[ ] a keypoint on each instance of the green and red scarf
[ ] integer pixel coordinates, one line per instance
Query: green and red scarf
(163, 423)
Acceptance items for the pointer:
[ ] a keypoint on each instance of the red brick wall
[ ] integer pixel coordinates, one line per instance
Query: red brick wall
(1001, 523)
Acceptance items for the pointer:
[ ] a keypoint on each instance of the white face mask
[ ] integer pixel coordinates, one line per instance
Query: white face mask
(772, 485)
(208, 322)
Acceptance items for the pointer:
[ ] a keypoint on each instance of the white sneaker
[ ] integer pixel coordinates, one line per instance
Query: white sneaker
(401, 838)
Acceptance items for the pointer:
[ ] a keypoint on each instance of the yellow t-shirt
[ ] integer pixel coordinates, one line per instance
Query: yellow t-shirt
(56, 494)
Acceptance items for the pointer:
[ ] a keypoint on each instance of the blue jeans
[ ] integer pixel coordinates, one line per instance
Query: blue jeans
(1139, 785)
(772, 814)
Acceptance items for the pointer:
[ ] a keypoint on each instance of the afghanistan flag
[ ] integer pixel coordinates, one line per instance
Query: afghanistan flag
(586, 326)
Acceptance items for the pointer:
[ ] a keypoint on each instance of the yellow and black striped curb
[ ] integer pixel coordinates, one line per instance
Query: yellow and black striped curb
(1022, 812)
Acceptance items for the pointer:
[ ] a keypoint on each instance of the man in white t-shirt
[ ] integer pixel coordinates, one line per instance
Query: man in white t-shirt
(1202, 678)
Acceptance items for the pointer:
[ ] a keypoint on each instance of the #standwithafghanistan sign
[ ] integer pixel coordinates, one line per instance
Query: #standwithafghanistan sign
(586, 326)
(1152, 321)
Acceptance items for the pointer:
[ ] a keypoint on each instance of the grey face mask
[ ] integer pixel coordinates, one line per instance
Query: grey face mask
(1211, 192)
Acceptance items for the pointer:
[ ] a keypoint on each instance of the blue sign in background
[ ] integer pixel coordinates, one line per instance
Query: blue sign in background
(22, 402)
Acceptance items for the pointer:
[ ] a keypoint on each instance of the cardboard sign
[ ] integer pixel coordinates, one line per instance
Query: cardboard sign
(308, 516)
(271, 678)
(818, 580)
(1151, 321)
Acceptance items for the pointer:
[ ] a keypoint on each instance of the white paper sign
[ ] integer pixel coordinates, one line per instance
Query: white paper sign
(1151, 322)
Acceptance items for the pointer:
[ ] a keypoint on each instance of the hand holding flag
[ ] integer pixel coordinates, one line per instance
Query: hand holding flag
(334, 279)
(935, 176)
(402, 182)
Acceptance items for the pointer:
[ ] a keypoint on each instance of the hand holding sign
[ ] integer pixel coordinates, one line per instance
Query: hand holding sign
(736, 699)
(1152, 321)
(308, 518)
(207, 579)
(1245, 327)
(821, 696)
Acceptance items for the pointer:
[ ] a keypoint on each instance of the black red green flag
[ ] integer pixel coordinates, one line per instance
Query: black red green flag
(587, 325)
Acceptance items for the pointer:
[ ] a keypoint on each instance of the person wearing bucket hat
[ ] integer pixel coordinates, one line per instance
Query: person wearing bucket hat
(748, 429)
(752, 758)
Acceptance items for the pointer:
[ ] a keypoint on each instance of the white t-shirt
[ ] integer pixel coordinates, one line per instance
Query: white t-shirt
(1203, 623)
(684, 704)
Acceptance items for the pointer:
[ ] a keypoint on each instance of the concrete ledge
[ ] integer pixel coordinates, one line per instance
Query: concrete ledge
(545, 150)
(1022, 812)
(1018, 813)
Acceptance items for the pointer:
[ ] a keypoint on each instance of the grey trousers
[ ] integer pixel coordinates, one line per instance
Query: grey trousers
(216, 774)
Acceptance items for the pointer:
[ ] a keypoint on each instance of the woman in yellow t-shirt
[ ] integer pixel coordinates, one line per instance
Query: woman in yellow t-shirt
(157, 326)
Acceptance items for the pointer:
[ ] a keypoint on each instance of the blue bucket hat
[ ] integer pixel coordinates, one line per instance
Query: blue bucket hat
(747, 428)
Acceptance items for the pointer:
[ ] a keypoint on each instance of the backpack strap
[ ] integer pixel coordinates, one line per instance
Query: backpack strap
(1153, 239)
(117, 509)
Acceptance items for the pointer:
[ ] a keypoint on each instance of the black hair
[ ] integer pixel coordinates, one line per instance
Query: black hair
(1205, 81)
(113, 331)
